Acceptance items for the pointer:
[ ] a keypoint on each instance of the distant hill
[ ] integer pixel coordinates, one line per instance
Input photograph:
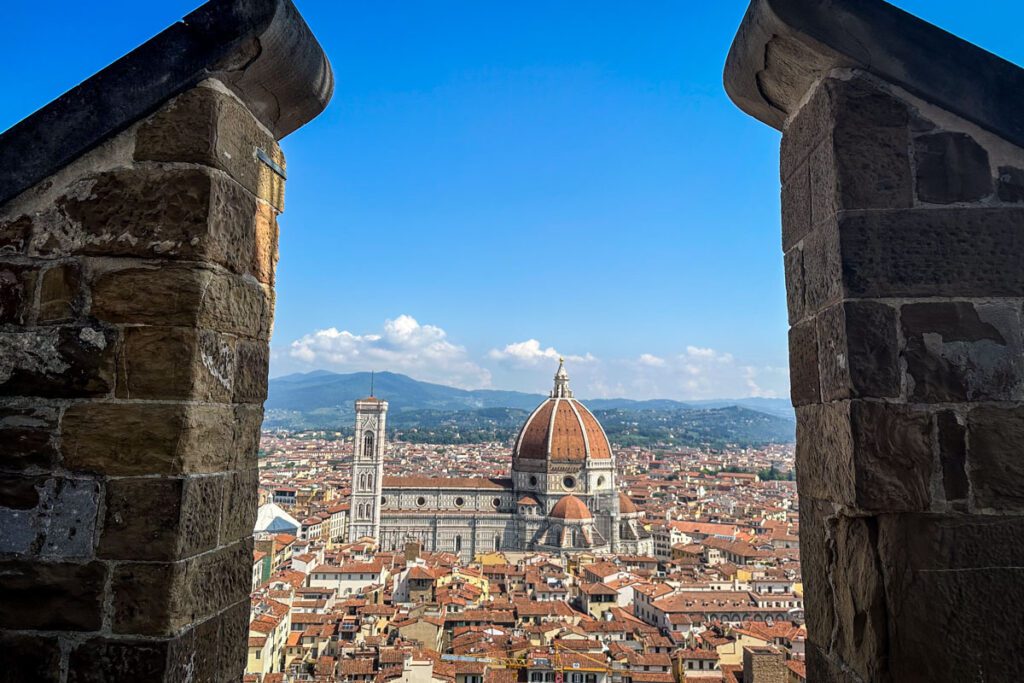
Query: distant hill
(435, 413)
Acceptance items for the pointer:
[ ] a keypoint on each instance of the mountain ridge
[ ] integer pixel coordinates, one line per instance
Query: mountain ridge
(436, 413)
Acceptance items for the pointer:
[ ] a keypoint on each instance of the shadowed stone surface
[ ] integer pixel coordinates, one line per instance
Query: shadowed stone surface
(52, 596)
(904, 248)
(963, 352)
(136, 303)
(951, 167)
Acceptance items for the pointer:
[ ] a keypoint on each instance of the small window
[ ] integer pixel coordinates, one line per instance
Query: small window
(496, 503)
(600, 481)
(383, 500)
(460, 501)
(569, 482)
(421, 501)
(533, 481)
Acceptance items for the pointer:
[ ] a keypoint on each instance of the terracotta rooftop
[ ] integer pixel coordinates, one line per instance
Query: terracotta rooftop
(562, 429)
(572, 508)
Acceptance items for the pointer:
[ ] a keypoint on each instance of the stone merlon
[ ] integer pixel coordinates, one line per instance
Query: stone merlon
(261, 49)
(783, 47)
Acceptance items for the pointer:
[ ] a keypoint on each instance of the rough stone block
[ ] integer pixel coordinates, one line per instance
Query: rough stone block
(60, 293)
(995, 467)
(218, 579)
(817, 553)
(892, 456)
(58, 362)
(265, 253)
(859, 589)
(51, 596)
(824, 453)
(953, 455)
(824, 198)
(150, 212)
(822, 267)
(214, 650)
(161, 519)
(938, 570)
(1010, 187)
(803, 363)
(855, 138)
(152, 598)
(49, 517)
(143, 598)
(251, 371)
(796, 207)
(247, 422)
(865, 455)
(208, 126)
(958, 351)
(858, 351)
(27, 435)
(26, 657)
(954, 252)
(101, 660)
(951, 167)
(15, 234)
(176, 363)
(151, 438)
(796, 293)
(17, 287)
(183, 296)
(241, 499)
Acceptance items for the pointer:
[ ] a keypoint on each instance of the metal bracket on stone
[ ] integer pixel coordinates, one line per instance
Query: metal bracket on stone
(273, 165)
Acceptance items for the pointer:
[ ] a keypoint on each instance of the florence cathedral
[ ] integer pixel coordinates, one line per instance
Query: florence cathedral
(562, 496)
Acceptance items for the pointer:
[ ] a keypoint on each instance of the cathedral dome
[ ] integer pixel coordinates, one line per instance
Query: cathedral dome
(570, 508)
(626, 505)
(562, 429)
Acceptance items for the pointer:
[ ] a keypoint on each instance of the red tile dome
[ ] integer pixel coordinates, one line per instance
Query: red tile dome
(570, 508)
(561, 429)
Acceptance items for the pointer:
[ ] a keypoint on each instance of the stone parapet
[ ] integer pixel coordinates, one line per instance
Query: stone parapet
(136, 305)
(901, 160)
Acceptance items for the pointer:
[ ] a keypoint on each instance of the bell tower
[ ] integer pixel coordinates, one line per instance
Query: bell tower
(367, 468)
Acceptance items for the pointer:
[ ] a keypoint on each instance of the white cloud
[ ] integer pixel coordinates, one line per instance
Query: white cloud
(700, 373)
(698, 352)
(529, 352)
(404, 345)
(650, 360)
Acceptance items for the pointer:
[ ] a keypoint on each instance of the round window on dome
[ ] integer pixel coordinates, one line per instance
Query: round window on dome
(569, 482)
(421, 501)
(460, 501)
(383, 500)
(533, 481)
(496, 502)
(600, 481)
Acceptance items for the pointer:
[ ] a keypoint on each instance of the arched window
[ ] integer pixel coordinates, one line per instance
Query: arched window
(369, 481)
(497, 541)
(368, 451)
(575, 536)
(458, 544)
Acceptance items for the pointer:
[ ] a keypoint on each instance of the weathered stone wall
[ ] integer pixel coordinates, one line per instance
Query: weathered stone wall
(903, 232)
(136, 304)
(764, 665)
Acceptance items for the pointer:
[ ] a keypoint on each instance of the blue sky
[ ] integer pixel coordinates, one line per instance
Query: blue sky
(498, 183)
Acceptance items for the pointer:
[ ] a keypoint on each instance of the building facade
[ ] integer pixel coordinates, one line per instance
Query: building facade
(562, 495)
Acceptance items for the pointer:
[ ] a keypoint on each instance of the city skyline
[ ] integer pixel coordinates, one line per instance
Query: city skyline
(588, 206)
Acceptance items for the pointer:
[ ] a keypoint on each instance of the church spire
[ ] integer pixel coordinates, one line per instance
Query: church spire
(561, 389)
